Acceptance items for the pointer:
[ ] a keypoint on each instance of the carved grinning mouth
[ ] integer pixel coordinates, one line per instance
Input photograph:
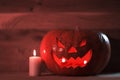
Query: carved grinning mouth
(73, 62)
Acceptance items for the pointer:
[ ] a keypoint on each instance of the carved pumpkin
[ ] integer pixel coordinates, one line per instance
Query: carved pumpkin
(70, 52)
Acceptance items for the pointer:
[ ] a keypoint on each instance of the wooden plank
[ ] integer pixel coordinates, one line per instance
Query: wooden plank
(63, 5)
(56, 20)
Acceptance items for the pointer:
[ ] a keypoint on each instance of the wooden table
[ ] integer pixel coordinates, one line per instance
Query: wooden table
(25, 76)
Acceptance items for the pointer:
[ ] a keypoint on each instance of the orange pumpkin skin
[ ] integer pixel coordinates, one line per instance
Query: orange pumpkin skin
(69, 52)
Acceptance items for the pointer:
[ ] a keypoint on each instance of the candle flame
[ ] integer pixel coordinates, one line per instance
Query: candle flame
(34, 52)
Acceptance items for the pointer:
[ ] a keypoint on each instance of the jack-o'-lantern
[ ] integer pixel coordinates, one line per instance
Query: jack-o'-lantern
(70, 52)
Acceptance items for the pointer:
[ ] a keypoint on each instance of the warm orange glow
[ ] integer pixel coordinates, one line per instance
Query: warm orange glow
(72, 50)
(60, 49)
(63, 60)
(60, 45)
(83, 43)
(34, 52)
(85, 62)
(44, 51)
(74, 62)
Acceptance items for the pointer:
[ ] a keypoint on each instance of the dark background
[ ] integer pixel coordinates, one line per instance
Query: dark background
(23, 23)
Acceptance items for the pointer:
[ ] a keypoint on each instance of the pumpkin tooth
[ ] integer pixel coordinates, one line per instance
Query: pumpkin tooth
(73, 62)
(68, 66)
(57, 60)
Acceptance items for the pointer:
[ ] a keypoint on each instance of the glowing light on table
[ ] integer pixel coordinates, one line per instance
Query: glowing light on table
(34, 64)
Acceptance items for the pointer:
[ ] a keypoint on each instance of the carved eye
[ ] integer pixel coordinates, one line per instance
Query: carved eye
(72, 50)
(83, 43)
(60, 45)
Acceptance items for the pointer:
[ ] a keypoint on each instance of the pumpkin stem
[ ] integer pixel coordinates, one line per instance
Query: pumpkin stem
(76, 29)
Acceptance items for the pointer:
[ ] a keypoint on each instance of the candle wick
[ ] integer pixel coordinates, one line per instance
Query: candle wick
(34, 52)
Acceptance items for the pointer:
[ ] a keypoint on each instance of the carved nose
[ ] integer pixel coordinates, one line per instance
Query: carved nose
(72, 50)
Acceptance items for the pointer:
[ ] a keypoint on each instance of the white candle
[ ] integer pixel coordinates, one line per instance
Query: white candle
(34, 64)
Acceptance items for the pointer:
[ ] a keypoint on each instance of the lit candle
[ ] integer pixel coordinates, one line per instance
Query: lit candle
(34, 64)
